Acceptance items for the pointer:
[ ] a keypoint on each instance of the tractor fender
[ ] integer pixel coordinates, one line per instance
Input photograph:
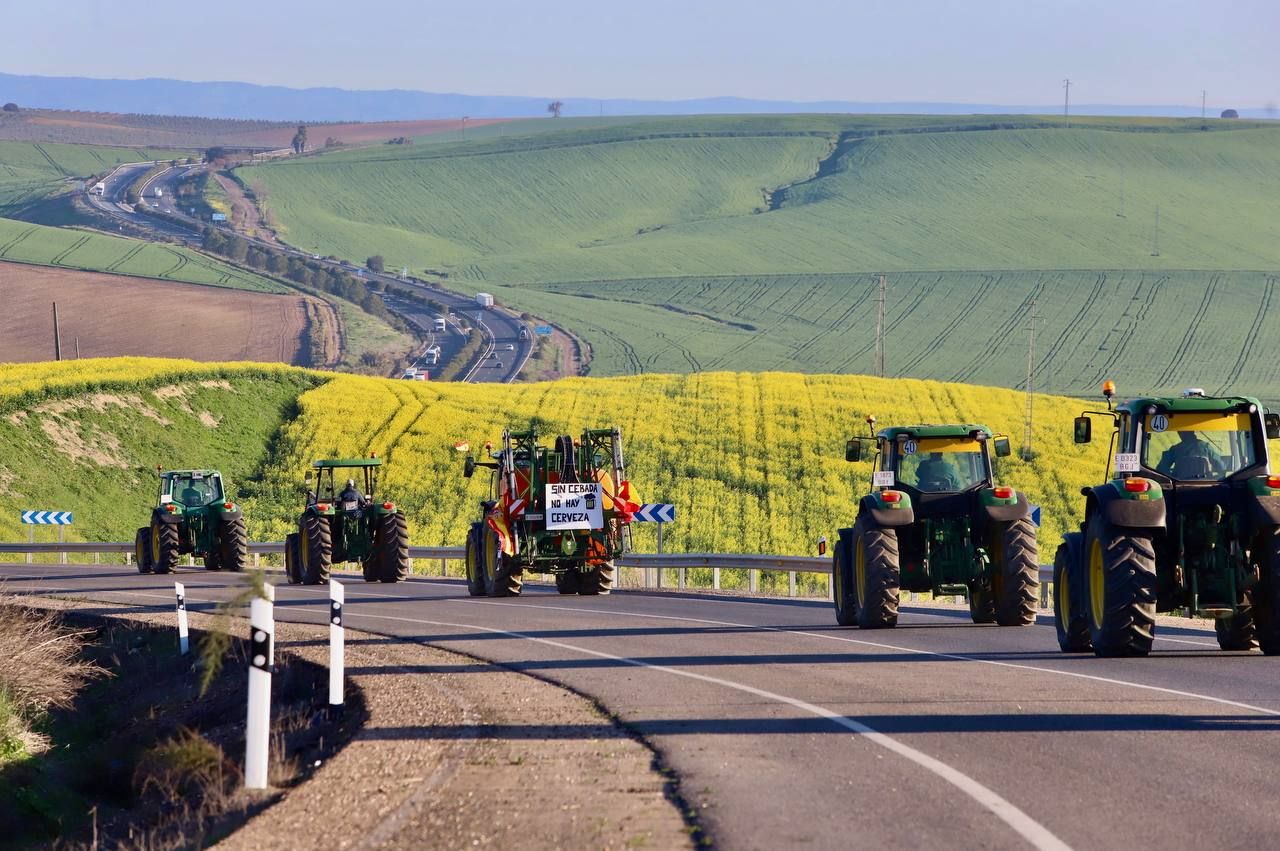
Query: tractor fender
(1119, 510)
(1264, 511)
(168, 518)
(1008, 512)
(225, 513)
(890, 517)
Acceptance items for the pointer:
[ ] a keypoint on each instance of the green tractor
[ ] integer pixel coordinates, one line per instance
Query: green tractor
(935, 521)
(563, 509)
(193, 516)
(1189, 521)
(342, 523)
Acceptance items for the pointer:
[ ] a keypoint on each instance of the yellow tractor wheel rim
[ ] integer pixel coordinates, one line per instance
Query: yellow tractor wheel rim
(155, 544)
(860, 570)
(837, 576)
(1062, 600)
(491, 555)
(140, 551)
(1097, 582)
(304, 549)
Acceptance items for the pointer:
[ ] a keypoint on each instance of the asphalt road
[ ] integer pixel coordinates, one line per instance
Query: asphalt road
(786, 731)
(502, 356)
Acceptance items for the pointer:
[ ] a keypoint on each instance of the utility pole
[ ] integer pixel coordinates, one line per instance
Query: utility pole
(77, 348)
(57, 335)
(1066, 97)
(1029, 414)
(1155, 240)
(880, 330)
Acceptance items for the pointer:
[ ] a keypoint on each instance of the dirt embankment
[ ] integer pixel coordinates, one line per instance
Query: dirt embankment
(115, 315)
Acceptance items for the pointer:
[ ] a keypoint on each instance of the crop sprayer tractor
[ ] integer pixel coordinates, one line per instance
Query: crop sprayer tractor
(193, 516)
(1189, 521)
(934, 521)
(341, 523)
(563, 509)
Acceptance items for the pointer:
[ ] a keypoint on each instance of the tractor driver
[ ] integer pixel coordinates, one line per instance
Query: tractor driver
(350, 494)
(192, 496)
(935, 474)
(1190, 458)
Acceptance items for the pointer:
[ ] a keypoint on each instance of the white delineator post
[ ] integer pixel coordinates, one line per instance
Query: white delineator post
(183, 642)
(337, 650)
(257, 732)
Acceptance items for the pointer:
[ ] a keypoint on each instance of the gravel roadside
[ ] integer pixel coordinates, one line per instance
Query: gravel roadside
(458, 753)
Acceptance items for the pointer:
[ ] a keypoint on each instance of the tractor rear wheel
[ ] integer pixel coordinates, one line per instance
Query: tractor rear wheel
(315, 549)
(598, 581)
(501, 578)
(1121, 568)
(1266, 596)
(1016, 580)
(982, 599)
(391, 547)
(475, 555)
(842, 586)
(233, 544)
(142, 549)
(875, 574)
(164, 547)
(568, 582)
(292, 572)
(1072, 625)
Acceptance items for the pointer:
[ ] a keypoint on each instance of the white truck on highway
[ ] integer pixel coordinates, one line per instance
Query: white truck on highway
(440, 323)
(99, 188)
(159, 192)
(484, 300)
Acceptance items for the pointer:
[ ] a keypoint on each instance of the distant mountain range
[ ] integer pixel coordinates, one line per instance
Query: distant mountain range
(156, 96)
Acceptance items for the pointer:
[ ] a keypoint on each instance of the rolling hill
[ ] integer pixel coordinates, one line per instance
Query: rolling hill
(754, 462)
(753, 243)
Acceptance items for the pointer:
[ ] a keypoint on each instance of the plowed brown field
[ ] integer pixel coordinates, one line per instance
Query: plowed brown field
(111, 315)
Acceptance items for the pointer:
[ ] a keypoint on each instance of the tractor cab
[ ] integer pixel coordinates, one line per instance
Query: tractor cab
(190, 489)
(333, 489)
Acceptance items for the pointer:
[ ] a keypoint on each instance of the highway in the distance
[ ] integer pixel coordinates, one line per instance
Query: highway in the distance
(502, 355)
(786, 731)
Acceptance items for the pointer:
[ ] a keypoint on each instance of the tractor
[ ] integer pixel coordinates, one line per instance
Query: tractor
(934, 521)
(562, 509)
(342, 524)
(1188, 521)
(193, 516)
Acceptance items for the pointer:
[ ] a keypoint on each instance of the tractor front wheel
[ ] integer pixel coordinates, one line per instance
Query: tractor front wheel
(475, 555)
(1120, 566)
(142, 549)
(292, 571)
(391, 547)
(982, 600)
(1238, 631)
(842, 586)
(568, 582)
(1072, 625)
(598, 581)
(164, 547)
(875, 574)
(212, 560)
(315, 549)
(233, 543)
(1016, 580)
(501, 578)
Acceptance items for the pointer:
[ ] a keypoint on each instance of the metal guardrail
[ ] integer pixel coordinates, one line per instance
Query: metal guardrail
(653, 564)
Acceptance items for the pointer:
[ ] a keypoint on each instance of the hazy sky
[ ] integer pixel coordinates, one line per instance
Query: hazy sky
(986, 51)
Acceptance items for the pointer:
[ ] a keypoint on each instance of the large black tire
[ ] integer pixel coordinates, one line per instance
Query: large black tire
(1071, 622)
(598, 581)
(292, 571)
(315, 549)
(391, 547)
(1238, 631)
(875, 574)
(982, 598)
(1266, 596)
(501, 579)
(1016, 576)
(842, 586)
(213, 560)
(233, 544)
(1120, 565)
(164, 547)
(569, 581)
(474, 559)
(142, 549)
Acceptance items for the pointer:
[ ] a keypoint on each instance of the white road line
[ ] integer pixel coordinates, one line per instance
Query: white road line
(953, 656)
(1028, 828)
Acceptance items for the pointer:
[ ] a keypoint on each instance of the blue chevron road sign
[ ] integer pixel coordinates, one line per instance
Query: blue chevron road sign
(655, 513)
(47, 518)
